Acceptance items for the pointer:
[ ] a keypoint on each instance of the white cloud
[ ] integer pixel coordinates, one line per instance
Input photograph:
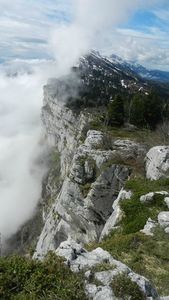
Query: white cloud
(21, 147)
(150, 49)
(21, 20)
(25, 26)
(95, 26)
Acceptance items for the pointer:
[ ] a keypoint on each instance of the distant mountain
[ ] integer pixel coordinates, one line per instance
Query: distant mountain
(96, 79)
(155, 75)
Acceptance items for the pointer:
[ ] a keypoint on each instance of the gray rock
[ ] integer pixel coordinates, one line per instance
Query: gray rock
(84, 260)
(96, 140)
(79, 218)
(105, 189)
(144, 284)
(99, 292)
(157, 162)
(117, 214)
(148, 198)
(128, 149)
(166, 200)
(163, 218)
(149, 227)
(166, 230)
(106, 277)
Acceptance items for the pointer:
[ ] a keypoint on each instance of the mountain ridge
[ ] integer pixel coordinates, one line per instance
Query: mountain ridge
(150, 74)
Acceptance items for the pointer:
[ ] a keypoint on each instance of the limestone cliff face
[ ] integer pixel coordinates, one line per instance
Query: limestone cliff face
(62, 127)
(89, 179)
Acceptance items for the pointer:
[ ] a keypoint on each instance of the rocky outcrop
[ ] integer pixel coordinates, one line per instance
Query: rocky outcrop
(98, 283)
(92, 169)
(79, 217)
(63, 128)
(149, 227)
(157, 162)
(117, 213)
(148, 198)
(166, 200)
(163, 219)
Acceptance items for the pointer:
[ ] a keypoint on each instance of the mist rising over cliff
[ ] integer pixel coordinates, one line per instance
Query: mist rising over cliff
(21, 148)
(21, 170)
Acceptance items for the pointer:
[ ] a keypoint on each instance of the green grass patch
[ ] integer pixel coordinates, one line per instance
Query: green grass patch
(22, 278)
(125, 288)
(137, 213)
(142, 186)
(105, 266)
(146, 255)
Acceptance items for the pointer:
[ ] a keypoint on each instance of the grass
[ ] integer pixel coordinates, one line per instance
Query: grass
(105, 266)
(125, 288)
(22, 278)
(85, 188)
(137, 213)
(141, 185)
(148, 256)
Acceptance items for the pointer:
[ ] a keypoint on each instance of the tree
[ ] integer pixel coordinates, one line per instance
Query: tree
(153, 107)
(137, 111)
(146, 110)
(116, 112)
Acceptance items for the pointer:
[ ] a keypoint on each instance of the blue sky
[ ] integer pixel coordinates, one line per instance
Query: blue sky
(26, 25)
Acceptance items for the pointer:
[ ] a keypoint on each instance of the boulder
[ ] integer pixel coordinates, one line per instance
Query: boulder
(157, 162)
(99, 292)
(163, 219)
(149, 226)
(166, 200)
(148, 198)
(166, 230)
(96, 140)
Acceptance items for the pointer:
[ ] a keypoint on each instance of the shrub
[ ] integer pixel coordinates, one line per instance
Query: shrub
(22, 278)
(125, 288)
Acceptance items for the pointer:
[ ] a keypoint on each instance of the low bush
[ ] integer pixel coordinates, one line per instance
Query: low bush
(124, 288)
(22, 278)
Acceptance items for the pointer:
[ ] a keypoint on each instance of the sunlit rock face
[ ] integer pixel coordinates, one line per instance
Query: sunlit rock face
(92, 173)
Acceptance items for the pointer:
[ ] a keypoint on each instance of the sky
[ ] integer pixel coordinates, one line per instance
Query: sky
(26, 28)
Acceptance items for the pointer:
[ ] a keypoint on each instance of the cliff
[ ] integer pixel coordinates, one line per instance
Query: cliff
(82, 194)
(105, 198)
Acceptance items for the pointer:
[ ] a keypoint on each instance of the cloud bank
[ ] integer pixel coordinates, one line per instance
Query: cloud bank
(22, 149)
(26, 25)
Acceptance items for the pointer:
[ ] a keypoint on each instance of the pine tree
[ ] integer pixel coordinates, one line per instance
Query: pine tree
(116, 112)
(137, 116)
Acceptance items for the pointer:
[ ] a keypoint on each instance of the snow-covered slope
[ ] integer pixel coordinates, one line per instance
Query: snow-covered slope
(131, 66)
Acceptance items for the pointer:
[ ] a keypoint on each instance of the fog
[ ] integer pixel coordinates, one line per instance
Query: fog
(22, 148)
